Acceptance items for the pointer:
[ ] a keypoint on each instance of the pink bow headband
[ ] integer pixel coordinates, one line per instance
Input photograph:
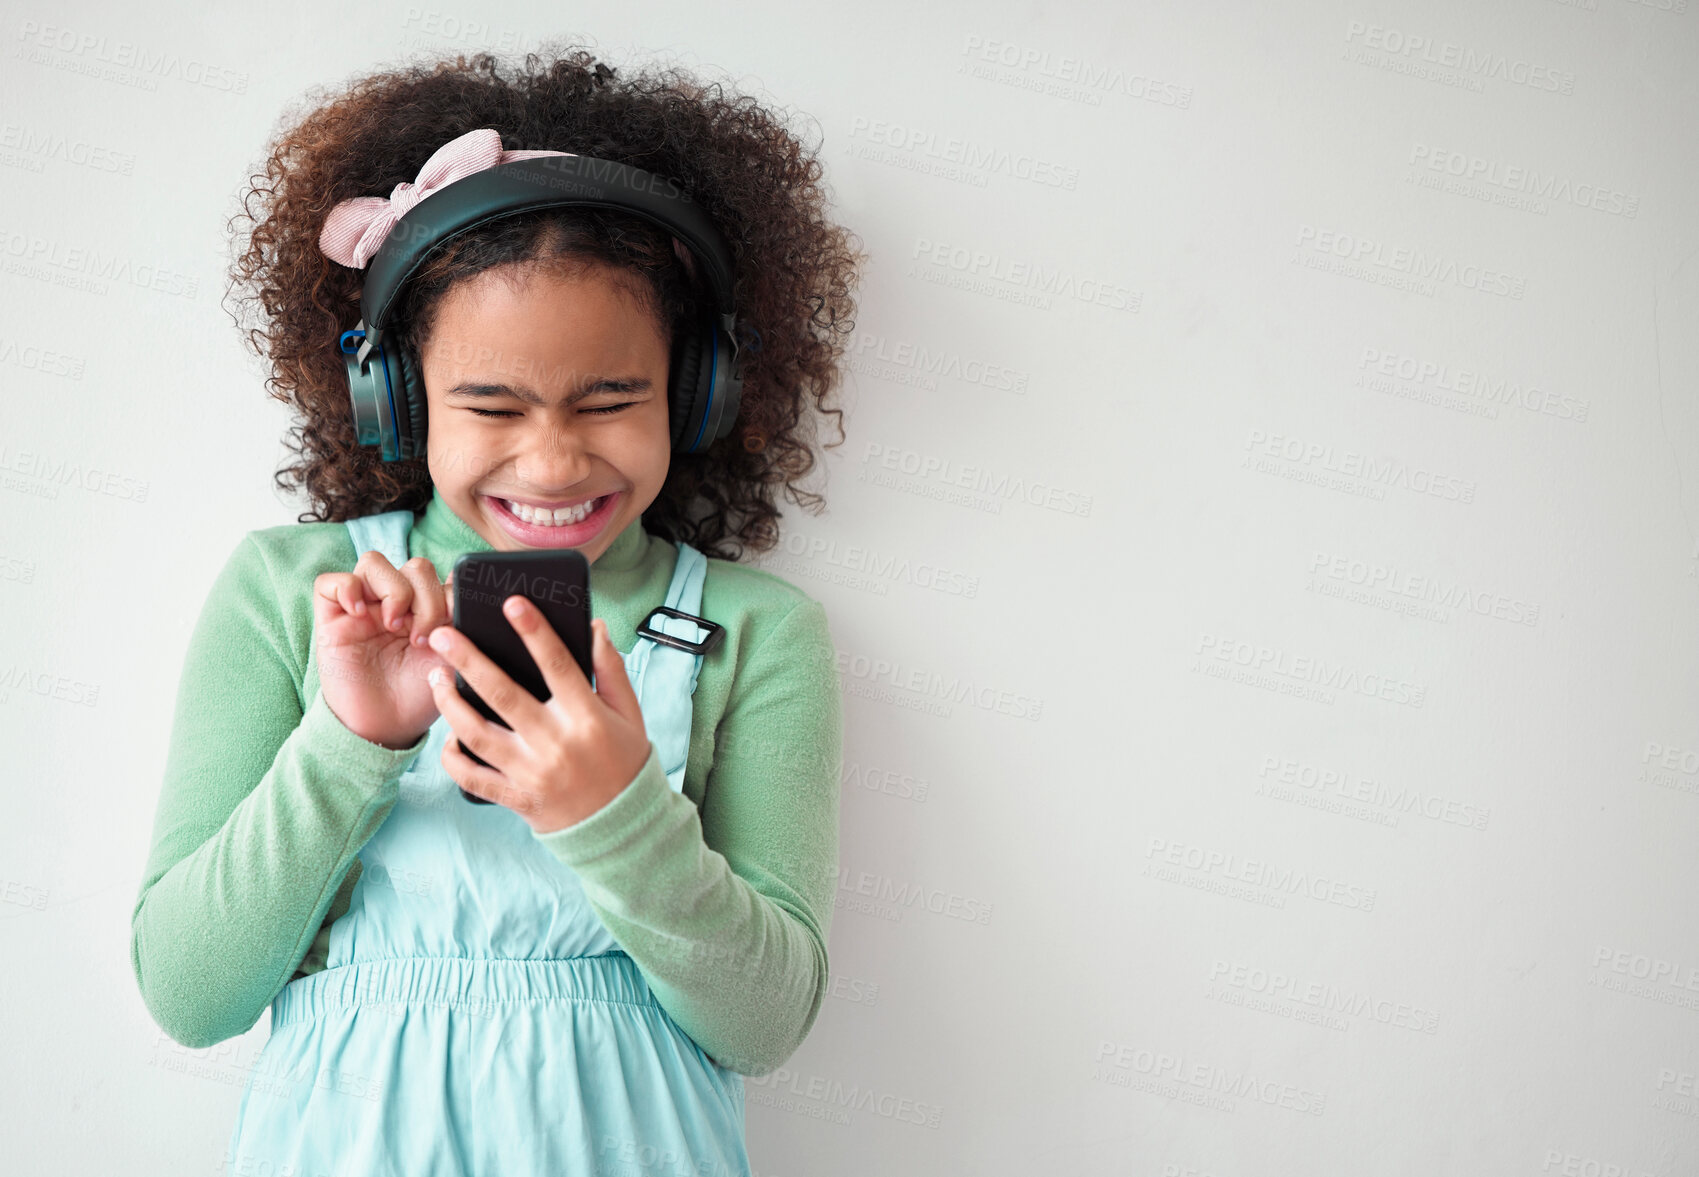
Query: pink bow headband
(357, 227)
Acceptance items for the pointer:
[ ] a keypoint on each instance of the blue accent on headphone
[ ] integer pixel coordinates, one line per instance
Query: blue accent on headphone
(696, 441)
(389, 400)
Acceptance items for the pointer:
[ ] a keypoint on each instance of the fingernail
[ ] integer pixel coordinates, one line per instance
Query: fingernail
(435, 676)
(515, 607)
(439, 639)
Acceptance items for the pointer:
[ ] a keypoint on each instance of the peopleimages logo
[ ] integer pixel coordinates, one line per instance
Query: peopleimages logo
(872, 347)
(1029, 276)
(1377, 471)
(1475, 385)
(86, 268)
(880, 463)
(1279, 986)
(33, 147)
(895, 895)
(868, 563)
(1678, 974)
(1078, 71)
(1428, 588)
(1523, 181)
(1304, 675)
(1116, 1061)
(1288, 775)
(151, 64)
(850, 1096)
(929, 690)
(1160, 852)
(591, 176)
(973, 156)
(32, 358)
(1369, 255)
(1472, 63)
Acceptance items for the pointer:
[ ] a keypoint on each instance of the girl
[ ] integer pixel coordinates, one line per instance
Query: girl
(573, 975)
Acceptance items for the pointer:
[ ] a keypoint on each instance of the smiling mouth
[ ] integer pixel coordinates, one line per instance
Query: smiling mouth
(547, 504)
(551, 517)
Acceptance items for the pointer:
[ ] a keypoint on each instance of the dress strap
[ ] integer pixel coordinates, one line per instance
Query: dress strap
(384, 532)
(664, 673)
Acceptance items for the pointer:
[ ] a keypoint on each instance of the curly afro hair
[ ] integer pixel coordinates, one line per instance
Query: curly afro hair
(796, 270)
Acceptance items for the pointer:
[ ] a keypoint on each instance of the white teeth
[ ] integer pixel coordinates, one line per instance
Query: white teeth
(564, 517)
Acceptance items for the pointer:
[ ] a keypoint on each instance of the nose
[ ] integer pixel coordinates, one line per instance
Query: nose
(553, 459)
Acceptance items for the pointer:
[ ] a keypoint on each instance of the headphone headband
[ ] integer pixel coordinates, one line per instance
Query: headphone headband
(556, 181)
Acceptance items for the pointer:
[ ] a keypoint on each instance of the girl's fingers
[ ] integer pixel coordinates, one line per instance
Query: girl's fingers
(490, 741)
(561, 672)
(613, 685)
(392, 589)
(517, 707)
(342, 591)
(427, 597)
(463, 771)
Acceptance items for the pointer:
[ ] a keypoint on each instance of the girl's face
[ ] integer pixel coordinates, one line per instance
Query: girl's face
(546, 392)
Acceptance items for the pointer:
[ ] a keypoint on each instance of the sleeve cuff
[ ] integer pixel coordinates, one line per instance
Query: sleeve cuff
(616, 825)
(329, 737)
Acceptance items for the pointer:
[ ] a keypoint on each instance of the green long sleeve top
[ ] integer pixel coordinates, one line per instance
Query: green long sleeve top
(722, 894)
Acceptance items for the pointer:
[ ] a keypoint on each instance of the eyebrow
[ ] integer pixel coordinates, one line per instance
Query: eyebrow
(520, 392)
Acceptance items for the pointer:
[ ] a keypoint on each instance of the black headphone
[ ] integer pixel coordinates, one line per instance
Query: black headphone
(705, 380)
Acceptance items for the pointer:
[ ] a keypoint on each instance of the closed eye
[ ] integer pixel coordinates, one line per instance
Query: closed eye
(504, 413)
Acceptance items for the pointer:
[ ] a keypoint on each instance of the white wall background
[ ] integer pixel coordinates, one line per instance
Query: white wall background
(1265, 564)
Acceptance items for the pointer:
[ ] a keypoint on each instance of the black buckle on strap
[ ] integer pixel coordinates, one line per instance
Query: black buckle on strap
(715, 632)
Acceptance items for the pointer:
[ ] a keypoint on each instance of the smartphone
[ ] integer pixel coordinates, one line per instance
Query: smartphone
(556, 580)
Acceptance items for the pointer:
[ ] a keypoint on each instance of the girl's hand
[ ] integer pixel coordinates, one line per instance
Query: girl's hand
(370, 627)
(563, 759)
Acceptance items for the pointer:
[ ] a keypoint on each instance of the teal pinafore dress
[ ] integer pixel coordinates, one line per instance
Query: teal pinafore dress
(475, 1018)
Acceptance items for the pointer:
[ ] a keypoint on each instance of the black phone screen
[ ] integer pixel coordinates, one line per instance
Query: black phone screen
(557, 581)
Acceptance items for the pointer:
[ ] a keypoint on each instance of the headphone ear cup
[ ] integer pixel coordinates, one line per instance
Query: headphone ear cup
(726, 381)
(411, 412)
(373, 389)
(686, 383)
